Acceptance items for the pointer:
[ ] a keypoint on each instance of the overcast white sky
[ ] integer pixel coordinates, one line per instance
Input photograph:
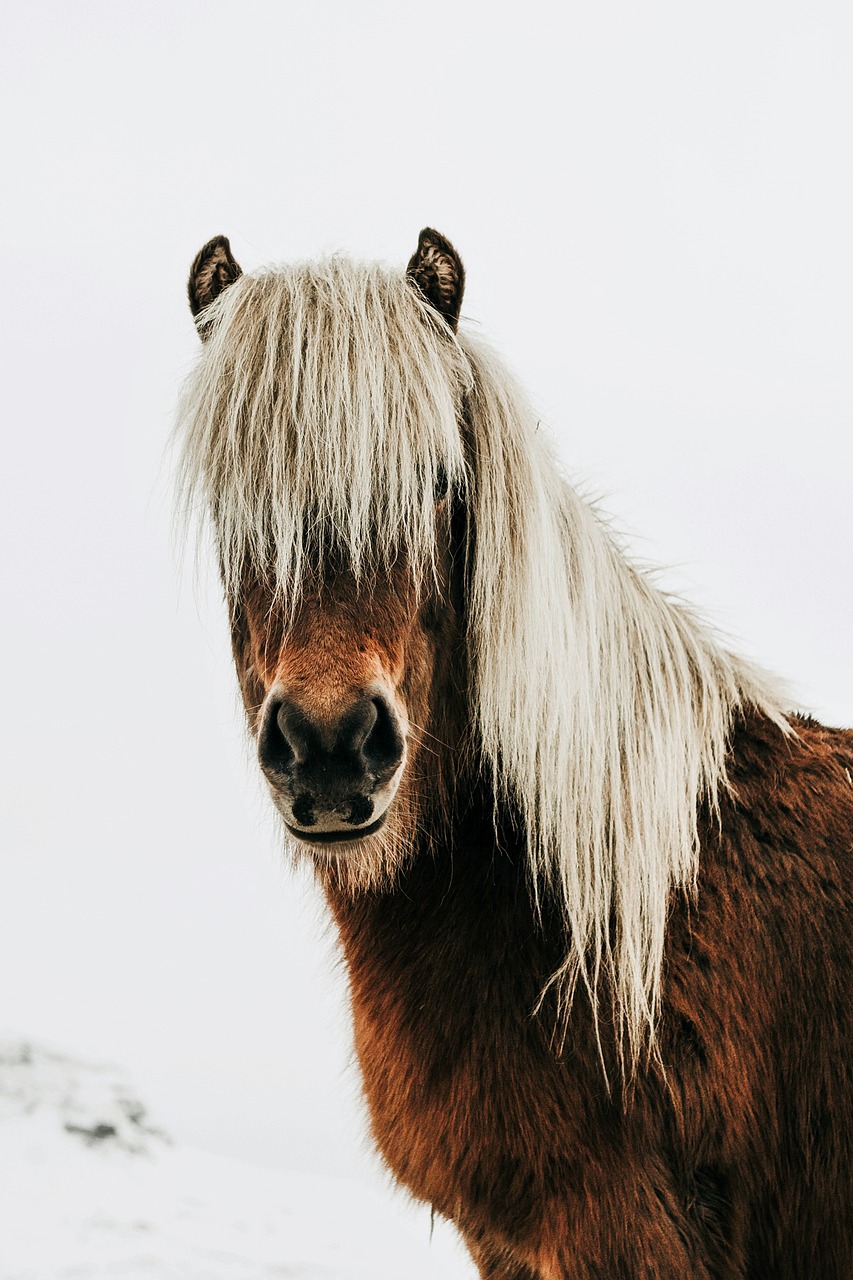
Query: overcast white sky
(654, 203)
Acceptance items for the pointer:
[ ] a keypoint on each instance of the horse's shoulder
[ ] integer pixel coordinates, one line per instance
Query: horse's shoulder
(770, 923)
(794, 790)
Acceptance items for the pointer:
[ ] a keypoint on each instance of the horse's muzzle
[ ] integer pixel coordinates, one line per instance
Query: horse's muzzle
(334, 776)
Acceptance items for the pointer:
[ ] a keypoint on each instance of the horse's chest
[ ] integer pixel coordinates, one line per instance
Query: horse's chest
(468, 1105)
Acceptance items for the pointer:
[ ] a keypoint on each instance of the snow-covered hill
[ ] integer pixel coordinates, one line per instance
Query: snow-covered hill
(91, 1188)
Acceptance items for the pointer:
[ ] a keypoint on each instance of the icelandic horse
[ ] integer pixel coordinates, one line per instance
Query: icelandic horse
(591, 877)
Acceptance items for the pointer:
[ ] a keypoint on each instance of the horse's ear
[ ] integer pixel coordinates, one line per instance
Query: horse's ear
(213, 269)
(437, 270)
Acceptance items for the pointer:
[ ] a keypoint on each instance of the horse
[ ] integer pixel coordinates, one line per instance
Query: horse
(590, 873)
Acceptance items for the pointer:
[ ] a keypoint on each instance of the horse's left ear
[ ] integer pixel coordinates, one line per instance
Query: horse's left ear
(437, 270)
(213, 269)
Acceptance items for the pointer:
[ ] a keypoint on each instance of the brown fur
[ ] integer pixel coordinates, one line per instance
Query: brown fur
(728, 1158)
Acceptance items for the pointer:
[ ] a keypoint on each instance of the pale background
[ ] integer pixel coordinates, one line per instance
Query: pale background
(654, 203)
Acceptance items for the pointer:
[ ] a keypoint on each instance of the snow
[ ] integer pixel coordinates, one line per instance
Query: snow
(90, 1187)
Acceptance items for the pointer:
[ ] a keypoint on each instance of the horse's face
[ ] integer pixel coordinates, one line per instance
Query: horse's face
(345, 684)
(348, 697)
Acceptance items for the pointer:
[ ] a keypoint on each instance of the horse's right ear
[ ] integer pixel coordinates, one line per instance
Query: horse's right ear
(213, 269)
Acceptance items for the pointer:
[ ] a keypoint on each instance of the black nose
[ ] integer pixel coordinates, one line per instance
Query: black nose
(361, 748)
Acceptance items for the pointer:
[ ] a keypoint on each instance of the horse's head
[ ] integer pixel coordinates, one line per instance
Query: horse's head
(324, 427)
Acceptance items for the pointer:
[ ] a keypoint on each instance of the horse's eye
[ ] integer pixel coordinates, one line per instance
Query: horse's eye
(441, 486)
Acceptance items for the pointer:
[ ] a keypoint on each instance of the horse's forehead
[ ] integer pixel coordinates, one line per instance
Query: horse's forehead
(330, 591)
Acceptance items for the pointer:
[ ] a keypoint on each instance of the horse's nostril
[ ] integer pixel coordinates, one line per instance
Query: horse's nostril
(303, 810)
(275, 750)
(383, 746)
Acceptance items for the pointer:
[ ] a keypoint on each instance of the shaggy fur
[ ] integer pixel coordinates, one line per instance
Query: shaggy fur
(728, 1160)
(607, 836)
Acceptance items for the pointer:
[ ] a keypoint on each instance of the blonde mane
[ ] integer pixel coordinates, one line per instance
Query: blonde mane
(323, 409)
(326, 402)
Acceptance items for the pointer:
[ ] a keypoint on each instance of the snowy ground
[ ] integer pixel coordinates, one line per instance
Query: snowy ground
(90, 1188)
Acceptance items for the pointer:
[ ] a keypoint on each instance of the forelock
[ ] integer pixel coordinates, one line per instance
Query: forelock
(324, 407)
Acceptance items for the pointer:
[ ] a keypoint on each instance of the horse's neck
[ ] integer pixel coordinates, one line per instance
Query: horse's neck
(457, 951)
(459, 916)
(445, 974)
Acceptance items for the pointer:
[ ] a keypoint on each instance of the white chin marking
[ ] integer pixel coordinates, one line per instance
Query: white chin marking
(316, 838)
(332, 827)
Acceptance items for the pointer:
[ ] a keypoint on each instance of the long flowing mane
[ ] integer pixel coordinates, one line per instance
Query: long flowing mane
(326, 402)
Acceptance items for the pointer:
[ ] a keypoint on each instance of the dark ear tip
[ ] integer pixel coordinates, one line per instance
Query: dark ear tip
(214, 245)
(432, 239)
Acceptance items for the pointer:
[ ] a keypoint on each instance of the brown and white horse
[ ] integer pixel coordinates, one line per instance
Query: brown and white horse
(592, 884)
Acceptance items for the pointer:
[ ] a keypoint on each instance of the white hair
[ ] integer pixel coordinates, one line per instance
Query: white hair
(326, 401)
